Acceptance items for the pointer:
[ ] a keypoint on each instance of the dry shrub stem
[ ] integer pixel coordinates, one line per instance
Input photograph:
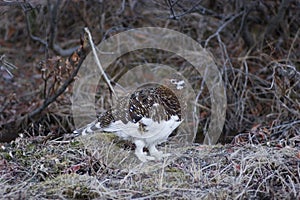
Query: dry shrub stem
(10, 130)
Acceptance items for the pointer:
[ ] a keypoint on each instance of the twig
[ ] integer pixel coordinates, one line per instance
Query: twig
(7, 66)
(33, 37)
(197, 7)
(53, 32)
(121, 10)
(98, 62)
(222, 27)
(61, 90)
(9, 131)
(172, 9)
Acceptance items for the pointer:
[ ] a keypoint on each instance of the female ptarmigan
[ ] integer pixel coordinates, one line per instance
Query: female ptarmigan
(146, 117)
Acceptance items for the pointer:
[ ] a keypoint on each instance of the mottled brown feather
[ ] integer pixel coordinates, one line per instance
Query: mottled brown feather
(158, 103)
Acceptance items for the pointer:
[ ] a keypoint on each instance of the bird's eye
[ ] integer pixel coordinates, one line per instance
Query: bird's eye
(173, 81)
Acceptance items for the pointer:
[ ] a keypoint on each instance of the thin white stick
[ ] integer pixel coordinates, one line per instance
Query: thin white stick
(98, 62)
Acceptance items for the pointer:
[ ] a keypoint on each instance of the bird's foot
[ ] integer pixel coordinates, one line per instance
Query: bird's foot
(159, 155)
(143, 157)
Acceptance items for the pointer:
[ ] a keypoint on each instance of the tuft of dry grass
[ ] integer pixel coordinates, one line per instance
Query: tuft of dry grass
(99, 166)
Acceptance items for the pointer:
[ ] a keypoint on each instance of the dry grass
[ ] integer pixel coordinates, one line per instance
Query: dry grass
(98, 166)
(260, 69)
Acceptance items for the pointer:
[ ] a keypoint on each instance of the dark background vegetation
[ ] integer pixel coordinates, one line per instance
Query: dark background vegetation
(256, 45)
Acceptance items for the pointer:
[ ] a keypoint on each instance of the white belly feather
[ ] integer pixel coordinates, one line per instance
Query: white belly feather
(153, 133)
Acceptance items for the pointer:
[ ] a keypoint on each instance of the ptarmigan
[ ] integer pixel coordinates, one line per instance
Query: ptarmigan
(146, 117)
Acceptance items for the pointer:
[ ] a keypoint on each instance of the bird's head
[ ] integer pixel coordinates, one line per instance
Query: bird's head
(176, 83)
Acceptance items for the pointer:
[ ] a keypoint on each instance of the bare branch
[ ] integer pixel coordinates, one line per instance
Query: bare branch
(195, 8)
(222, 27)
(7, 66)
(9, 131)
(98, 62)
(53, 32)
